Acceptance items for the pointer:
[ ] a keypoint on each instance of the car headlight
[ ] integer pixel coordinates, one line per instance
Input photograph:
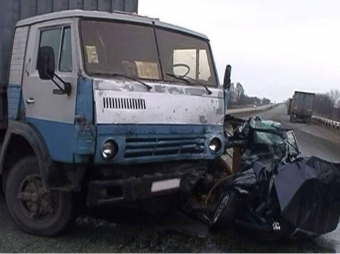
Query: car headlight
(109, 150)
(215, 145)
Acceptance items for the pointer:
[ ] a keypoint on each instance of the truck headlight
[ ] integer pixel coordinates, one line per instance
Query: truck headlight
(215, 145)
(109, 150)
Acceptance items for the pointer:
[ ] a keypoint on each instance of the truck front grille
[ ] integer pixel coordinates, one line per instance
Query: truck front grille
(146, 147)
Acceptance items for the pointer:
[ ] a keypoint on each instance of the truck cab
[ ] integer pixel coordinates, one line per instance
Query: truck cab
(116, 106)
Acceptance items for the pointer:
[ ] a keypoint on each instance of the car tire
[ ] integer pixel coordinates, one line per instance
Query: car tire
(34, 210)
(225, 212)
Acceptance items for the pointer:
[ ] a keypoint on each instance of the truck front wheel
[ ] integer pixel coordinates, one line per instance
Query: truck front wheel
(35, 210)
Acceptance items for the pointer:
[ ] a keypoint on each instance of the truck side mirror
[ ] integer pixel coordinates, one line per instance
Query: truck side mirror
(46, 63)
(227, 74)
(46, 70)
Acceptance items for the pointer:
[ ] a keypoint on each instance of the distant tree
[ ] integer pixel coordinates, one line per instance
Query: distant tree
(266, 101)
(246, 100)
(323, 105)
(237, 96)
(336, 114)
(239, 92)
(334, 96)
(232, 93)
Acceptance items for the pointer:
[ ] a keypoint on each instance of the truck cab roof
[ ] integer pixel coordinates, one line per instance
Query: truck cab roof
(121, 16)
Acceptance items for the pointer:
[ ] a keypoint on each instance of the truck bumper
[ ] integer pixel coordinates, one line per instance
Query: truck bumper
(104, 192)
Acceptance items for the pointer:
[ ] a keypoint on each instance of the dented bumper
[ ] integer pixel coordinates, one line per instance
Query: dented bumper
(104, 192)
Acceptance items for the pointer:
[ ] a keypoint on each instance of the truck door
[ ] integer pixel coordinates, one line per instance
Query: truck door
(52, 113)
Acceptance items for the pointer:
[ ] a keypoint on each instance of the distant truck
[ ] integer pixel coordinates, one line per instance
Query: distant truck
(302, 107)
(289, 105)
(109, 107)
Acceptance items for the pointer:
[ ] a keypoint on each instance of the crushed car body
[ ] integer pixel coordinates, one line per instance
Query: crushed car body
(272, 192)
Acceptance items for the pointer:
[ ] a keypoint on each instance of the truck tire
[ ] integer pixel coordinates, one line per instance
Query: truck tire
(225, 212)
(34, 210)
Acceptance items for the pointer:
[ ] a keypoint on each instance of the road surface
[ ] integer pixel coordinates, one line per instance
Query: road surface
(127, 230)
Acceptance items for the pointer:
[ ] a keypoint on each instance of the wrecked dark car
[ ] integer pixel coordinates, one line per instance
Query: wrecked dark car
(271, 191)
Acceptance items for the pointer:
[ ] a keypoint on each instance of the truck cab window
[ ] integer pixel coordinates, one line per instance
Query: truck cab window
(131, 49)
(204, 72)
(186, 56)
(128, 49)
(65, 64)
(51, 38)
(60, 40)
(193, 61)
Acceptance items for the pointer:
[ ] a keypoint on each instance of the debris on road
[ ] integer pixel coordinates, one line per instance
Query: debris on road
(273, 191)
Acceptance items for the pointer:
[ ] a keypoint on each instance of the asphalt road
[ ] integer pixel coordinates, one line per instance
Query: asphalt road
(128, 230)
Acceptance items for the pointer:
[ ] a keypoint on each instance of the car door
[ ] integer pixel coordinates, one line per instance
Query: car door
(50, 112)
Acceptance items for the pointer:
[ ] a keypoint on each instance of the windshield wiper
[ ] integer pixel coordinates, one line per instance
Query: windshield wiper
(187, 80)
(178, 77)
(199, 83)
(124, 76)
(134, 79)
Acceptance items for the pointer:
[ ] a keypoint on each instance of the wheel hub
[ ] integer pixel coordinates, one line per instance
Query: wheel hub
(221, 207)
(35, 202)
(35, 197)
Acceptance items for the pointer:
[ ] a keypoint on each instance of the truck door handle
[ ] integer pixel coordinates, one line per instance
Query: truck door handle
(27, 65)
(30, 100)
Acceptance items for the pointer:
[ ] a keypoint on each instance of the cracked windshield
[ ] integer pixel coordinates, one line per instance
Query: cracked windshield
(131, 50)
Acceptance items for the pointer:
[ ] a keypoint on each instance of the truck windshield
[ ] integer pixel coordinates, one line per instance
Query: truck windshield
(131, 50)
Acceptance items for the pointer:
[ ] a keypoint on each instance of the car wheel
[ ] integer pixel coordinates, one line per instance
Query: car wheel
(35, 210)
(225, 212)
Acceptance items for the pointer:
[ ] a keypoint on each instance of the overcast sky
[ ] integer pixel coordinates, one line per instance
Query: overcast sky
(274, 46)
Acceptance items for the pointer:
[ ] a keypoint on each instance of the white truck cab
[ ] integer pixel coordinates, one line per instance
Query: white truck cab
(118, 106)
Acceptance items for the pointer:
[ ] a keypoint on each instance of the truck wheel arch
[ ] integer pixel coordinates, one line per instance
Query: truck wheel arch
(28, 141)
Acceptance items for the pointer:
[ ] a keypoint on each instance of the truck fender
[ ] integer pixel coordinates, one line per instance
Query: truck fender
(35, 140)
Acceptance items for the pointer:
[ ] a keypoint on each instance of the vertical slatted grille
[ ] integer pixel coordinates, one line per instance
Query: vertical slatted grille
(123, 103)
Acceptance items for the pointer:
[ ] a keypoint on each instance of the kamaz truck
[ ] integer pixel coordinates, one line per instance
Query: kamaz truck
(102, 107)
(302, 106)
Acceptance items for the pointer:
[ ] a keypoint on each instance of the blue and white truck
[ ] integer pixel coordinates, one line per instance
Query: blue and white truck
(114, 106)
